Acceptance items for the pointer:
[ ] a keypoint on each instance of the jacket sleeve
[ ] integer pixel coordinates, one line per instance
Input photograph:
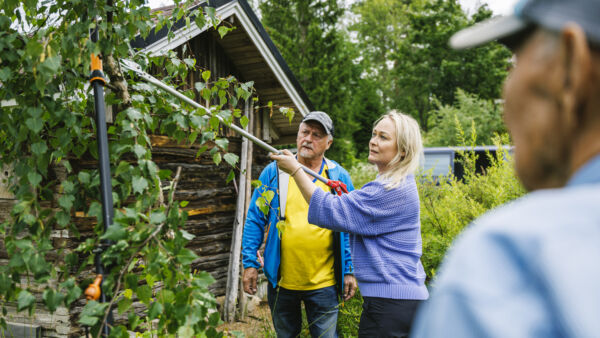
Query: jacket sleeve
(254, 227)
(349, 267)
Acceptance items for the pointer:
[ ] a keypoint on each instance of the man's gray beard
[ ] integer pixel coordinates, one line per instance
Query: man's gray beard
(305, 154)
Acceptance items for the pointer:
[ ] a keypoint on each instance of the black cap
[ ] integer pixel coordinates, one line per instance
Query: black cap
(322, 118)
(549, 14)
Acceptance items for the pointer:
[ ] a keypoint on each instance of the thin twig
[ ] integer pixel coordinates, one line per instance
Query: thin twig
(137, 251)
(435, 216)
(174, 185)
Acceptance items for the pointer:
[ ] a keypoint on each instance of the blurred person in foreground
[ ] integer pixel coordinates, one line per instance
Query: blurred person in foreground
(531, 268)
(382, 219)
(303, 263)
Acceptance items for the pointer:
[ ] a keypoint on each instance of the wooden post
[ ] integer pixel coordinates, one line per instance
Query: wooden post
(233, 271)
(248, 191)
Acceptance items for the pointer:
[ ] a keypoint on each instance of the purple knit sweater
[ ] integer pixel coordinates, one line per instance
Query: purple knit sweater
(385, 236)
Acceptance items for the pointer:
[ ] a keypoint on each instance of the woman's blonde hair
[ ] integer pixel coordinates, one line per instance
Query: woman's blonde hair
(410, 147)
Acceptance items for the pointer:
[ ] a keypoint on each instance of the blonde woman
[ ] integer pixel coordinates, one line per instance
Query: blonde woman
(382, 219)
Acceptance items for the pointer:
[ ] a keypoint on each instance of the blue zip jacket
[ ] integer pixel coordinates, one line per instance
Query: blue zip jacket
(257, 224)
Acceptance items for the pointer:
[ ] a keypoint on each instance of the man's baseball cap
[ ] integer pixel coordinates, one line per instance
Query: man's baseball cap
(322, 118)
(552, 15)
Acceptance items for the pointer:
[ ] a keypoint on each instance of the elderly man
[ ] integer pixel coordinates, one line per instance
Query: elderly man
(302, 262)
(531, 268)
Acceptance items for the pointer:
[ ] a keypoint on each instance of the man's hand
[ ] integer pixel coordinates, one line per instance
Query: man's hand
(349, 286)
(250, 278)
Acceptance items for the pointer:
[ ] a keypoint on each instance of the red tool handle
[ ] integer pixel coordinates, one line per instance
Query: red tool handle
(338, 186)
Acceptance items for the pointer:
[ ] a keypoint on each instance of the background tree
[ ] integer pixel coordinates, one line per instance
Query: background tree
(379, 27)
(369, 107)
(312, 40)
(47, 126)
(411, 58)
(485, 116)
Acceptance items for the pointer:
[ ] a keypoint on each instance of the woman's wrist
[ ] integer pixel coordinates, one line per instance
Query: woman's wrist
(295, 171)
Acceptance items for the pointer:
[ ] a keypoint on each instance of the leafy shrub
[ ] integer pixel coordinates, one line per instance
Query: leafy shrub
(362, 173)
(349, 316)
(448, 205)
(469, 109)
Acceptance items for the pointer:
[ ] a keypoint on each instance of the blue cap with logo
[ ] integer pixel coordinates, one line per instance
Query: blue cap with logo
(552, 15)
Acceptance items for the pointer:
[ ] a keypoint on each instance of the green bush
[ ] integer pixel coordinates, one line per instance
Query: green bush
(468, 110)
(448, 205)
(349, 316)
(362, 173)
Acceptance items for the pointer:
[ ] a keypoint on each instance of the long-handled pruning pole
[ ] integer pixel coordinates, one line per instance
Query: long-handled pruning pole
(337, 186)
(94, 292)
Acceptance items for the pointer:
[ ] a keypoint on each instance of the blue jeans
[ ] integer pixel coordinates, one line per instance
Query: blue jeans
(321, 307)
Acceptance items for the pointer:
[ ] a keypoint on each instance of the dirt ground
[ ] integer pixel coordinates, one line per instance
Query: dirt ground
(256, 324)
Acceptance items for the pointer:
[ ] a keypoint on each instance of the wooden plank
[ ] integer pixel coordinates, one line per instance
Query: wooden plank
(233, 271)
(236, 38)
(251, 126)
(255, 72)
(236, 47)
(286, 140)
(279, 99)
(258, 68)
(273, 91)
(213, 248)
(165, 141)
(240, 54)
(265, 83)
(242, 299)
(211, 262)
(235, 44)
(6, 208)
(242, 59)
(55, 324)
(5, 173)
(210, 209)
(266, 126)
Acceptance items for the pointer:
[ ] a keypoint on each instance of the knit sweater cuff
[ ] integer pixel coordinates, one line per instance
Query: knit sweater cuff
(394, 291)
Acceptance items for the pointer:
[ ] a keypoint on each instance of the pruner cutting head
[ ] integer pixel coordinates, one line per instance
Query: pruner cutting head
(130, 65)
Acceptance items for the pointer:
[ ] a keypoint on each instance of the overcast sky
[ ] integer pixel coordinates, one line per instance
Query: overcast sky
(500, 7)
(497, 6)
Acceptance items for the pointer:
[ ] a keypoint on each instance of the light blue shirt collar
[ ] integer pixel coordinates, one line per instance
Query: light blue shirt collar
(589, 173)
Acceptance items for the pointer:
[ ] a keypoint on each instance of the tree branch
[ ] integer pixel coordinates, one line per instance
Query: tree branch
(138, 249)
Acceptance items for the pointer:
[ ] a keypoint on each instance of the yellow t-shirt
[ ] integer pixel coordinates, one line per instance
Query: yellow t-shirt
(306, 250)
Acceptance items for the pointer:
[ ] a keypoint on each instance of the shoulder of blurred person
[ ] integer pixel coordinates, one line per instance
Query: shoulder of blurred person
(525, 269)
(530, 268)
